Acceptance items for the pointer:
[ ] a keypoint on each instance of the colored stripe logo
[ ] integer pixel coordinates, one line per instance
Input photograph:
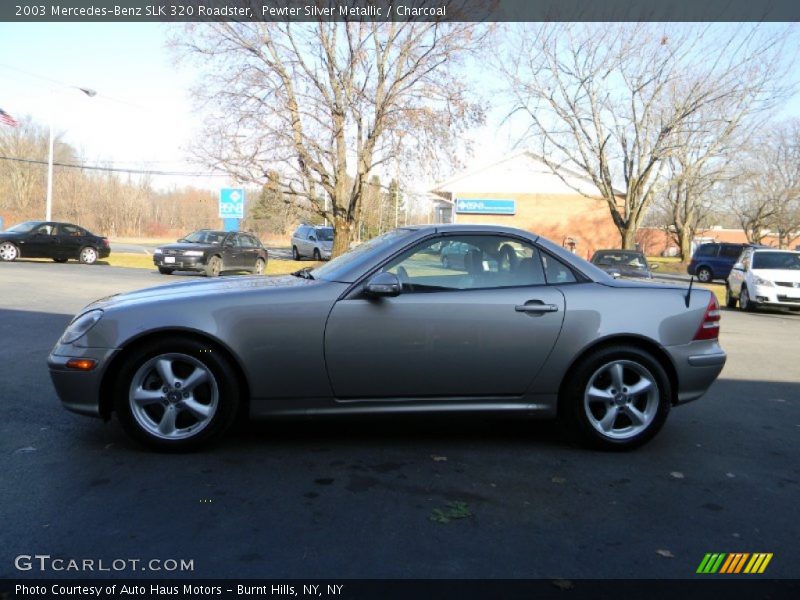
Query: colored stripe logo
(734, 563)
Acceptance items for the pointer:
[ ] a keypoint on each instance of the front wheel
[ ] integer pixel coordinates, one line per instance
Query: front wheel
(730, 301)
(295, 253)
(88, 255)
(176, 394)
(260, 266)
(165, 270)
(617, 398)
(704, 275)
(317, 255)
(8, 252)
(744, 300)
(214, 266)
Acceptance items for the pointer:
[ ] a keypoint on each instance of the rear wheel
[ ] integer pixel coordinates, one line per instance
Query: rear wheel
(295, 253)
(617, 398)
(317, 255)
(260, 266)
(214, 266)
(165, 270)
(88, 255)
(176, 394)
(730, 301)
(704, 275)
(8, 252)
(744, 300)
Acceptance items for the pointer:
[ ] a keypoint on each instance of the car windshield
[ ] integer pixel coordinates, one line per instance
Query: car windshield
(325, 234)
(23, 227)
(777, 260)
(204, 237)
(628, 259)
(329, 270)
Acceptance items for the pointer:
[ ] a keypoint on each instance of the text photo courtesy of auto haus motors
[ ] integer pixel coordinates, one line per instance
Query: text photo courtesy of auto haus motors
(523, 325)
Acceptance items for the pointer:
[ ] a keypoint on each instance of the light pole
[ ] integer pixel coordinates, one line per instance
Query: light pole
(48, 213)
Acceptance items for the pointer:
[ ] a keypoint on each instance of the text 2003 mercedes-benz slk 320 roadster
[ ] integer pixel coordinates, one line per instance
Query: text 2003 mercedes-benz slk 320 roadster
(520, 326)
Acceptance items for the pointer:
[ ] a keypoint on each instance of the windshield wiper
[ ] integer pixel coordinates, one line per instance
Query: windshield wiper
(304, 273)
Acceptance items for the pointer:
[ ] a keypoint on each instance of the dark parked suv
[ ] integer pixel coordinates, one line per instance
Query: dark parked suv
(714, 260)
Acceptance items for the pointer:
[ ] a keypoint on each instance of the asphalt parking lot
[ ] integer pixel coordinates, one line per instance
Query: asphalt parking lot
(354, 499)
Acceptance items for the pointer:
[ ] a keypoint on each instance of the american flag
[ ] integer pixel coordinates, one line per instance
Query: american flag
(7, 119)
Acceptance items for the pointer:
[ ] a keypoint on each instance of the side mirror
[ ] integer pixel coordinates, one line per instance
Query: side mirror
(383, 284)
(614, 274)
(738, 267)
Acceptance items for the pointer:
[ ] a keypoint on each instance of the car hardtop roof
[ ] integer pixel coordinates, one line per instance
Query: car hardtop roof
(771, 249)
(469, 228)
(618, 251)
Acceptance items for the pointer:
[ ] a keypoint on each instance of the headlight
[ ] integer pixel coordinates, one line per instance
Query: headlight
(193, 253)
(157, 251)
(80, 326)
(759, 281)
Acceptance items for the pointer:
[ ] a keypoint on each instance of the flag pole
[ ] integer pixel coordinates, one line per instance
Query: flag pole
(49, 204)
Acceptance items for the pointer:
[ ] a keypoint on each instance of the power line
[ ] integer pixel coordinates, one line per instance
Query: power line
(114, 169)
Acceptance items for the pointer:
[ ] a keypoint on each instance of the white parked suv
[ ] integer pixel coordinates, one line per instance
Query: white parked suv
(765, 277)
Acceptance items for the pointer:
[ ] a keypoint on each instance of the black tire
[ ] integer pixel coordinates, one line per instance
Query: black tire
(220, 370)
(214, 266)
(730, 301)
(704, 275)
(261, 264)
(317, 255)
(8, 252)
(295, 253)
(60, 260)
(165, 270)
(745, 303)
(88, 255)
(573, 404)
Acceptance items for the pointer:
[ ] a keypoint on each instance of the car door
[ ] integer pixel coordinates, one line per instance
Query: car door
(737, 275)
(231, 252)
(41, 242)
(484, 330)
(249, 249)
(70, 240)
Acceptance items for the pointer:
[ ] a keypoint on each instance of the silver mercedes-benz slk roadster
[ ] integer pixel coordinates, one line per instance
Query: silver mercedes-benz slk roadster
(516, 325)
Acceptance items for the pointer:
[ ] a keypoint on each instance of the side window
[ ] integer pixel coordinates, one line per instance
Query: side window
(47, 229)
(247, 241)
(730, 251)
(556, 271)
(468, 262)
(707, 250)
(71, 230)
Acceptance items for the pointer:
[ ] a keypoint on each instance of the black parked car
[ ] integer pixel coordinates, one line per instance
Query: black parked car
(624, 263)
(48, 239)
(212, 252)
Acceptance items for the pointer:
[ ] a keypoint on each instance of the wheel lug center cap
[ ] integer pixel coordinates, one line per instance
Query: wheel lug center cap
(620, 398)
(174, 397)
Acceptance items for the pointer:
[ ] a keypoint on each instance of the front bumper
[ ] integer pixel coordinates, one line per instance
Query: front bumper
(698, 364)
(777, 296)
(79, 391)
(181, 263)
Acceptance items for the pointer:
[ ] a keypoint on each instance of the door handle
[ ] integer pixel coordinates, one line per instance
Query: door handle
(536, 308)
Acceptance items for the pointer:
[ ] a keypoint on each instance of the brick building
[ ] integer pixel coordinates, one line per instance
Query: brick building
(521, 191)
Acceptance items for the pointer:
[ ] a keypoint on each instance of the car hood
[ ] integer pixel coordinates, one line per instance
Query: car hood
(790, 275)
(189, 246)
(6, 235)
(204, 287)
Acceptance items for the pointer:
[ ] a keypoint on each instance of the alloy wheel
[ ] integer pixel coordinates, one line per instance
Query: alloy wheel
(88, 256)
(8, 251)
(173, 396)
(621, 399)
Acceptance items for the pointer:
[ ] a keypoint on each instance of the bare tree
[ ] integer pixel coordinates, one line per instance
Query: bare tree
(328, 104)
(614, 102)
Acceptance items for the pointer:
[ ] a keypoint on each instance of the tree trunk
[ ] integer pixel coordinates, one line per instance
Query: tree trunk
(628, 235)
(685, 243)
(343, 231)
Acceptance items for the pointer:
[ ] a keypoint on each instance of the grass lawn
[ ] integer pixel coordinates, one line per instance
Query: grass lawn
(142, 261)
(667, 264)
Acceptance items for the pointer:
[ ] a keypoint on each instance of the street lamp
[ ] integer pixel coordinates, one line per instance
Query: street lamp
(49, 205)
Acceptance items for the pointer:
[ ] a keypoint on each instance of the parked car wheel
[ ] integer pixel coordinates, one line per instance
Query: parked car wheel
(174, 395)
(317, 255)
(165, 270)
(704, 274)
(8, 252)
(617, 398)
(730, 301)
(88, 255)
(260, 266)
(295, 253)
(214, 266)
(60, 260)
(744, 300)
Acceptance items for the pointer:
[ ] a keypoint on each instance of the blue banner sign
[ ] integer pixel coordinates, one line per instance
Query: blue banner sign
(483, 206)
(231, 203)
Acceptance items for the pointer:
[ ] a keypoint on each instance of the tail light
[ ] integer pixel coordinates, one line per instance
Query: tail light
(709, 327)
(105, 242)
